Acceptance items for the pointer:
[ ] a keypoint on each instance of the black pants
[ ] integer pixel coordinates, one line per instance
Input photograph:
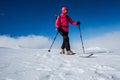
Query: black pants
(65, 43)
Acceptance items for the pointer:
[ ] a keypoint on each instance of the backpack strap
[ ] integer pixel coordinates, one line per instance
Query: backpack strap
(60, 16)
(67, 16)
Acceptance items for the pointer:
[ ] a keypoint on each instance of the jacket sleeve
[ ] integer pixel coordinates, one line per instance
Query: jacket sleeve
(72, 22)
(57, 23)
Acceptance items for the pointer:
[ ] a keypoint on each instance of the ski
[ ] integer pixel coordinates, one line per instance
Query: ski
(86, 55)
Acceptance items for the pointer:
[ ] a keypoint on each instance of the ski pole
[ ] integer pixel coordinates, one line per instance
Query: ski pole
(53, 41)
(81, 39)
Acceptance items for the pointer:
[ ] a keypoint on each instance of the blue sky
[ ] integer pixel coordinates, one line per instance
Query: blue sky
(26, 17)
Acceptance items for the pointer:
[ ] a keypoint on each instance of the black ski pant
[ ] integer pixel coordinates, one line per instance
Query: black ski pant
(65, 43)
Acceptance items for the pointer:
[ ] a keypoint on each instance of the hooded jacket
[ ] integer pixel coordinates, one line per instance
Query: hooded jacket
(62, 21)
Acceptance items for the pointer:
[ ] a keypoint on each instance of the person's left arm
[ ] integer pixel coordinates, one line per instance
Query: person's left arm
(72, 22)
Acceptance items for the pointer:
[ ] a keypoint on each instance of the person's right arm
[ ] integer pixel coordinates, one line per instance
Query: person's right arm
(57, 24)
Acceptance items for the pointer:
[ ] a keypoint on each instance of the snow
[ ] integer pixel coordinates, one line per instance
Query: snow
(38, 64)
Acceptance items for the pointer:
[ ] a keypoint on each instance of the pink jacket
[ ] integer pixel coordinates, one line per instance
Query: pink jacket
(62, 21)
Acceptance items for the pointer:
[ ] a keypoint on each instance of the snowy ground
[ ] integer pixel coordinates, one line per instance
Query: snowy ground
(37, 64)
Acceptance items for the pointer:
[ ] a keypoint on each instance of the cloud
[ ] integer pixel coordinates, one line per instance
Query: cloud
(31, 41)
(107, 41)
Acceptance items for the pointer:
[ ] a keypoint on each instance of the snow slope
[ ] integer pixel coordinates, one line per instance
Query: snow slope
(38, 64)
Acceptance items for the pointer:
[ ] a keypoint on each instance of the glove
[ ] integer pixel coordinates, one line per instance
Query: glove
(78, 23)
(59, 28)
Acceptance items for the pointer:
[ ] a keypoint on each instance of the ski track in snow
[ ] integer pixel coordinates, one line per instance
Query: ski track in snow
(38, 64)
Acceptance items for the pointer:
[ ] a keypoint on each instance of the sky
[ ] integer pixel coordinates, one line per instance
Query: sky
(20, 18)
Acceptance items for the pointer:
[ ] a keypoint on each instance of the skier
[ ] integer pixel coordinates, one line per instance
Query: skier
(62, 26)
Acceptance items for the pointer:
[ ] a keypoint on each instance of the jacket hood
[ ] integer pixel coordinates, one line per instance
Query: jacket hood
(64, 8)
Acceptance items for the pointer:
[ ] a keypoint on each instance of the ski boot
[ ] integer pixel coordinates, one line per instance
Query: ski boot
(70, 52)
(62, 51)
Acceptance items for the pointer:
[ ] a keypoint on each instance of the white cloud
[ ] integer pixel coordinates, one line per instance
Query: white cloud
(108, 41)
(31, 41)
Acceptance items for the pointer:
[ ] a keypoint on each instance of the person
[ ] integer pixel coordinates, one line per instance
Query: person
(62, 26)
